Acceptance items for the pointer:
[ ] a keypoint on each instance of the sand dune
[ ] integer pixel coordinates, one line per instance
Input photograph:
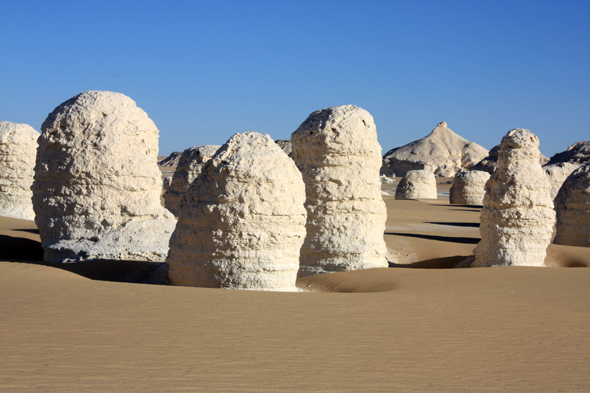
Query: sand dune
(76, 327)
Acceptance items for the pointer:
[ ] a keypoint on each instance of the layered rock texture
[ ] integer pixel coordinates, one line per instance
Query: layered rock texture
(442, 152)
(578, 153)
(517, 217)
(188, 169)
(337, 152)
(469, 188)
(557, 173)
(243, 220)
(419, 184)
(18, 147)
(97, 187)
(573, 209)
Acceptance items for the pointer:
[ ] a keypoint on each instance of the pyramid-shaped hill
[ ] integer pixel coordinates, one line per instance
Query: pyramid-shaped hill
(442, 152)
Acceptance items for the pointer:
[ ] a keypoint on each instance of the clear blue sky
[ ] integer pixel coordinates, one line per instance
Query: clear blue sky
(205, 70)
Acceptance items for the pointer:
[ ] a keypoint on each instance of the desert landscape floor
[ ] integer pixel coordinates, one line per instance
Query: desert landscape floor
(414, 327)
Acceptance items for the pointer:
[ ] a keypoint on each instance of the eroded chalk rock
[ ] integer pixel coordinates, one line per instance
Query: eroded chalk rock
(188, 169)
(18, 147)
(442, 152)
(573, 209)
(578, 153)
(517, 218)
(243, 220)
(490, 163)
(468, 188)
(420, 184)
(557, 173)
(97, 187)
(337, 152)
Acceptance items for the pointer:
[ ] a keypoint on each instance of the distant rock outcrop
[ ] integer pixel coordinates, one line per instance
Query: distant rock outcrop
(490, 163)
(337, 151)
(97, 188)
(578, 153)
(573, 209)
(285, 144)
(172, 160)
(243, 222)
(442, 152)
(517, 217)
(468, 188)
(418, 184)
(187, 170)
(557, 173)
(18, 147)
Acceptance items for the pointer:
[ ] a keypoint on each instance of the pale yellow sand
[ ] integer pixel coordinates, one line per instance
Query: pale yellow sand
(511, 329)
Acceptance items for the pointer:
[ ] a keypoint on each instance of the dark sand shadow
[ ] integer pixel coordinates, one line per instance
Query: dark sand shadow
(16, 249)
(435, 263)
(451, 239)
(35, 231)
(457, 224)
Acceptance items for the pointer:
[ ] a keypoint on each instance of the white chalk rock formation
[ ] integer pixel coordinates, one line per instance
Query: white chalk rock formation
(243, 220)
(171, 161)
(557, 173)
(337, 151)
(468, 188)
(189, 168)
(442, 152)
(490, 163)
(573, 209)
(578, 153)
(419, 184)
(18, 147)
(517, 218)
(97, 187)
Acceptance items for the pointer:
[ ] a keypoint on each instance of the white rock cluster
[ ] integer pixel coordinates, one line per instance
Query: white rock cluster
(243, 220)
(419, 184)
(468, 188)
(97, 187)
(557, 173)
(189, 168)
(337, 152)
(18, 147)
(517, 218)
(442, 152)
(573, 209)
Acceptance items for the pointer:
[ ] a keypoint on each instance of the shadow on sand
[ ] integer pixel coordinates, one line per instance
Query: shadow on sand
(15, 249)
(452, 239)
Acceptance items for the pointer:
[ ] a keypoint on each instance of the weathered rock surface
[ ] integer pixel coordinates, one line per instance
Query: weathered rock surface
(286, 146)
(517, 217)
(419, 184)
(442, 152)
(188, 169)
(490, 163)
(243, 220)
(97, 188)
(18, 147)
(573, 209)
(557, 173)
(337, 152)
(578, 153)
(469, 188)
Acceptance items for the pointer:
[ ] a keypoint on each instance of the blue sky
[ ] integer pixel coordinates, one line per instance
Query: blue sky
(205, 70)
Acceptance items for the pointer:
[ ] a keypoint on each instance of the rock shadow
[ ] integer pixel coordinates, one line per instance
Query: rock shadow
(457, 224)
(452, 239)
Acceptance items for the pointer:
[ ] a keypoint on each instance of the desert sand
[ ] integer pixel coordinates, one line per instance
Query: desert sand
(416, 327)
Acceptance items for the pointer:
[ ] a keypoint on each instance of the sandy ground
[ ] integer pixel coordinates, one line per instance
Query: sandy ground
(78, 327)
